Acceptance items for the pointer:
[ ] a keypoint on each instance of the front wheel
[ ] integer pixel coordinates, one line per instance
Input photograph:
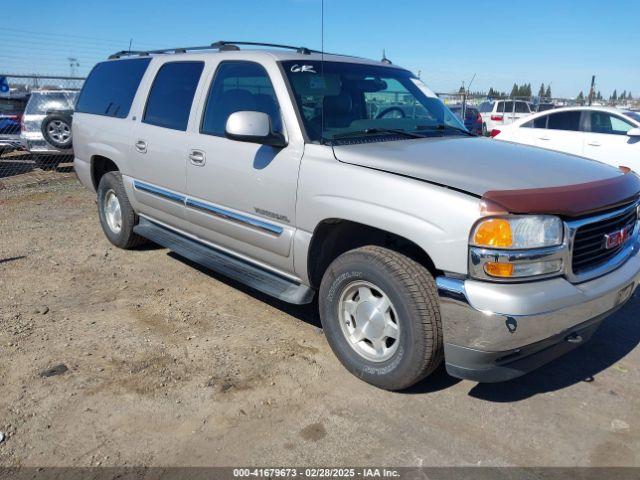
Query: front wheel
(380, 313)
(117, 217)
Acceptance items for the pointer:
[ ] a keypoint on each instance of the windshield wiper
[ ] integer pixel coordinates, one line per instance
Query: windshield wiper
(443, 127)
(373, 131)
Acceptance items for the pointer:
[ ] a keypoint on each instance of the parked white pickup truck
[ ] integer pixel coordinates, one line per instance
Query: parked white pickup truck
(306, 175)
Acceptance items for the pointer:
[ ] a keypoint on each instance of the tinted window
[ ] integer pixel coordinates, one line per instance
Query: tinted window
(500, 107)
(486, 107)
(564, 121)
(239, 86)
(111, 86)
(171, 95)
(508, 107)
(12, 106)
(522, 107)
(602, 122)
(540, 122)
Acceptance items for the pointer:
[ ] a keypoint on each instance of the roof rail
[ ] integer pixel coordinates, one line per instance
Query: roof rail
(221, 45)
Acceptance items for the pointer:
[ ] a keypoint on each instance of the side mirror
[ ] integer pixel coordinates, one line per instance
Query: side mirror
(253, 127)
(634, 132)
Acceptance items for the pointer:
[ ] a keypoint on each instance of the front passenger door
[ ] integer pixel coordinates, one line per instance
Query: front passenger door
(241, 196)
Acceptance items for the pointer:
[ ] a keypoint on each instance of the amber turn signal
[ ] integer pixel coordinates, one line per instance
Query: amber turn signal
(502, 270)
(495, 232)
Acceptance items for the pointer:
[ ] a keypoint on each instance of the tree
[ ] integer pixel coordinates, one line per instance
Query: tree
(629, 96)
(515, 91)
(547, 94)
(614, 95)
(623, 96)
(580, 98)
(599, 96)
(541, 91)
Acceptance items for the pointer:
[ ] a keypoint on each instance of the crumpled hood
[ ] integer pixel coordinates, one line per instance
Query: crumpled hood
(476, 165)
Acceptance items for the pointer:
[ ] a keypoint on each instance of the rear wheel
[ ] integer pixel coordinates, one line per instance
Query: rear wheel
(117, 217)
(380, 313)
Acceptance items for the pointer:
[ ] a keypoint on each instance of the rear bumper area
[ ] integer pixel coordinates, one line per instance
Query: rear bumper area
(494, 332)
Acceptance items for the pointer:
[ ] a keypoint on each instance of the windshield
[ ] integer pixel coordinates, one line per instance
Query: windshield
(634, 115)
(338, 99)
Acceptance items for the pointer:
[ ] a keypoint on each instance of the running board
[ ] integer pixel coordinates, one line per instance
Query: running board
(255, 277)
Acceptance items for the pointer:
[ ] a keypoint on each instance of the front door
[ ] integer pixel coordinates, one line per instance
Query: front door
(242, 196)
(606, 140)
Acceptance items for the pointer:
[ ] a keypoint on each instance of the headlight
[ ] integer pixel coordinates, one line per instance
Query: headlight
(518, 232)
(517, 247)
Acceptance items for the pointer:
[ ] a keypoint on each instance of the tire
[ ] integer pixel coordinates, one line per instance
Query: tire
(411, 290)
(484, 129)
(56, 130)
(112, 190)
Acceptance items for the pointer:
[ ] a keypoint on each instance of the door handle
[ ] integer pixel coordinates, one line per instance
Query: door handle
(544, 138)
(197, 158)
(141, 146)
(594, 144)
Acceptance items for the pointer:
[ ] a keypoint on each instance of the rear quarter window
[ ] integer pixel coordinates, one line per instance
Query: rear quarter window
(111, 86)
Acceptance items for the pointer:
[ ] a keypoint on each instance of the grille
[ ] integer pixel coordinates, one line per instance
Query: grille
(589, 247)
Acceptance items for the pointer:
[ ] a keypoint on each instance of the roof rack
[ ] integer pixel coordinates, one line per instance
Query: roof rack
(221, 46)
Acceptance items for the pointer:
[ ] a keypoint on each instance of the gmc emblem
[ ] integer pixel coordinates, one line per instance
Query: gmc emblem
(615, 239)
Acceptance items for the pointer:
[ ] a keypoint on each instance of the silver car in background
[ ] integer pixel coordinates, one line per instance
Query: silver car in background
(42, 103)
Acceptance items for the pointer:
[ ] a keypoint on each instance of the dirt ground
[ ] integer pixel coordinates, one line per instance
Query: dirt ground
(171, 365)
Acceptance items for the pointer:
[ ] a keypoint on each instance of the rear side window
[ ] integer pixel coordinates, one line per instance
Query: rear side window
(508, 107)
(239, 86)
(111, 86)
(171, 95)
(564, 121)
(522, 107)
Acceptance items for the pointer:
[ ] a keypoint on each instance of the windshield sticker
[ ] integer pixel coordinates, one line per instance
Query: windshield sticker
(303, 69)
(426, 90)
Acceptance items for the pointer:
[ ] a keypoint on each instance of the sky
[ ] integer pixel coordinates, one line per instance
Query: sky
(500, 42)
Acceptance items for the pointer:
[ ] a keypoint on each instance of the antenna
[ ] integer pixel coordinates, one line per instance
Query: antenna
(384, 58)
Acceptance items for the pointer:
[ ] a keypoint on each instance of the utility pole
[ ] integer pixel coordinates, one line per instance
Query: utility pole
(73, 63)
(592, 90)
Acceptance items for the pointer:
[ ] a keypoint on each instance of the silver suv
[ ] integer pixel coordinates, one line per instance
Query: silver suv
(302, 175)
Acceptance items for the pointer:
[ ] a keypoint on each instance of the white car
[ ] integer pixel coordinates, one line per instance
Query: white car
(605, 134)
(502, 112)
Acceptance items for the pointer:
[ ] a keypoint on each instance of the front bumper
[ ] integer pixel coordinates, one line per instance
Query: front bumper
(495, 332)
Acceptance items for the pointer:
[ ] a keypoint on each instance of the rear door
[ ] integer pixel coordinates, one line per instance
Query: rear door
(606, 140)
(563, 132)
(160, 142)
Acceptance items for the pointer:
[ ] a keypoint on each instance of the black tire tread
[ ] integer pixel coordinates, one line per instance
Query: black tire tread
(130, 239)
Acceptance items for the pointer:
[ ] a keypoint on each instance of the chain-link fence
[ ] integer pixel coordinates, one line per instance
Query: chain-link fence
(35, 128)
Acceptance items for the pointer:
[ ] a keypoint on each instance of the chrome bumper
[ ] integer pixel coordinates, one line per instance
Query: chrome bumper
(492, 318)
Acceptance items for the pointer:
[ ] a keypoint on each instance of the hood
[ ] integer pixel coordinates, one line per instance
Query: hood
(476, 165)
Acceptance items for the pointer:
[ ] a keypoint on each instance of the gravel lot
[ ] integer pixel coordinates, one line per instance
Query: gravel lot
(171, 365)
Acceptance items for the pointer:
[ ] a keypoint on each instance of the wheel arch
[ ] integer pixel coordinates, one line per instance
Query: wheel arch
(334, 236)
(99, 166)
